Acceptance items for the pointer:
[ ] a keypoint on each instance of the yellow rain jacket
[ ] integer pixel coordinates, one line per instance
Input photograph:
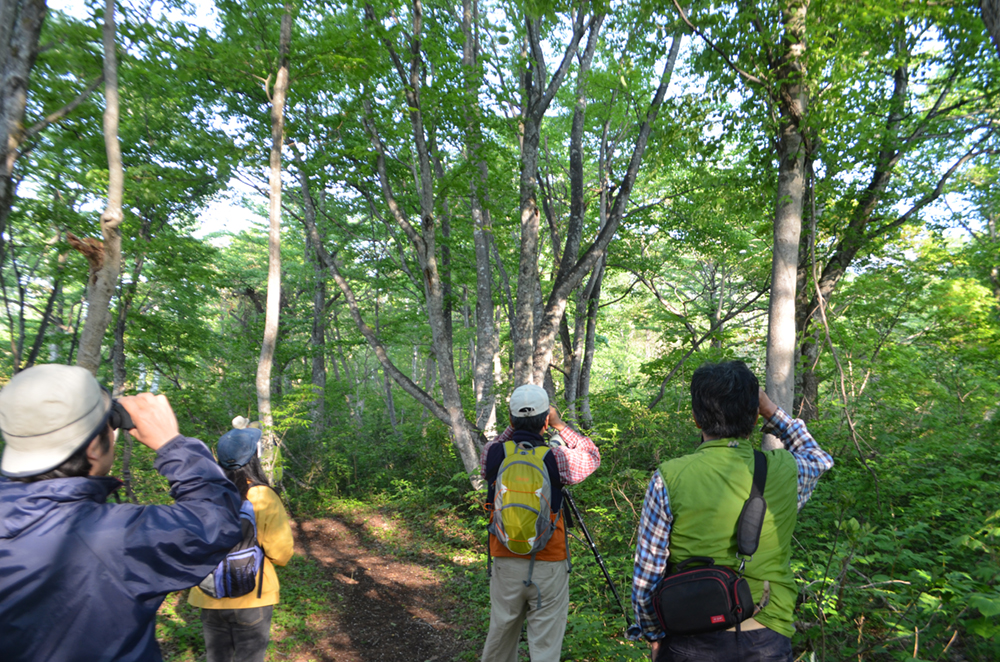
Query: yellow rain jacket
(274, 533)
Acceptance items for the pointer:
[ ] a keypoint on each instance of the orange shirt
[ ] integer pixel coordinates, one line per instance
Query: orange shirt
(555, 550)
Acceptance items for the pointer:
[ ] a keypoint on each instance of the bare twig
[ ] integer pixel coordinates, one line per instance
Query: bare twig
(750, 78)
(826, 327)
(697, 344)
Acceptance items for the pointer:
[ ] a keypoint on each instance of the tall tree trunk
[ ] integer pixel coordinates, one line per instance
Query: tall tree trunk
(583, 391)
(390, 403)
(317, 341)
(75, 338)
(991, 228)
(20, 26)
(487, 341)
(792, 103)
(583, 355)
(717, 296)
(991, 17)
(46, 317)
(537, 95)
(574, 234)
(423, 240)
(118, 390)
(318, 346)
(118, 349)
(900, 135)
(104, 273)
(267, 348)
(808, 400)
(15, 330)
(574, 348)
(569, 278)
(125, 298)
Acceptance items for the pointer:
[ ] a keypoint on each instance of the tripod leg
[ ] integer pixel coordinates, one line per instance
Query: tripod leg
(597, 555)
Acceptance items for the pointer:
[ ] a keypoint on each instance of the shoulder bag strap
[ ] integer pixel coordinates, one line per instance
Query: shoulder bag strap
(751, 519)
(759, 474)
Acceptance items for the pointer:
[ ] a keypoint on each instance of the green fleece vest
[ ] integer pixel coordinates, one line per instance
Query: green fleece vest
(706, 492)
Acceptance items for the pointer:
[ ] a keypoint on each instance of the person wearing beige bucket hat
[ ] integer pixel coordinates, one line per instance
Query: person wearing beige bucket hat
(81, 578)
(48, 414)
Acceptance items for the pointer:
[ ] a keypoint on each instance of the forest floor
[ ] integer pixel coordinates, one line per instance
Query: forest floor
(387, 608)
(361, 587)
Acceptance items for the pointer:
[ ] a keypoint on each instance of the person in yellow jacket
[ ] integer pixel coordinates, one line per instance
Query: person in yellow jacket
(239, 629)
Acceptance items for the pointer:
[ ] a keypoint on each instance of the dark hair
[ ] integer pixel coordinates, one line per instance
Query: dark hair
(725, 398)
(247, 476)
(76, 465)
(529, 423)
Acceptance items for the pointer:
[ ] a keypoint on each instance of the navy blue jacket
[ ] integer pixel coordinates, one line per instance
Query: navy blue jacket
(81, 579)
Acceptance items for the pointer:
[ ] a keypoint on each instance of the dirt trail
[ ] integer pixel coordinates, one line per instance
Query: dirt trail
(388, 609)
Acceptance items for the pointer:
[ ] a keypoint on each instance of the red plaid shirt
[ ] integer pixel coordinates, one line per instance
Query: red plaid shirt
(576, 459)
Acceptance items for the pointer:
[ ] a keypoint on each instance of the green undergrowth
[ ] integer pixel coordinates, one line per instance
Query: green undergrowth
(441, 524)
(297, 623)
(897, 555)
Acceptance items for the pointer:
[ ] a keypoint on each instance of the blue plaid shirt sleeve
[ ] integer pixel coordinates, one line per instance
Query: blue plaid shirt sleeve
(812, 460)
(651, 553)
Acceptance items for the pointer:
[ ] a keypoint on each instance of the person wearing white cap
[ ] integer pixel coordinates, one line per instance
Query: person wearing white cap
(521, 586)
(82, 579)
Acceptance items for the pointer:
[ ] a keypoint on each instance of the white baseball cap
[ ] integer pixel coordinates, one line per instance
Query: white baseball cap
(528, 400)
(47, 413)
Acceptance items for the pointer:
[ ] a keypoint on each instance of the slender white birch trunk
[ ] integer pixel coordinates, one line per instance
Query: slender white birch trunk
(264, 365)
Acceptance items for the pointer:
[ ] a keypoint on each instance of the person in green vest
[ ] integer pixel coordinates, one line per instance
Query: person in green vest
(692, 505)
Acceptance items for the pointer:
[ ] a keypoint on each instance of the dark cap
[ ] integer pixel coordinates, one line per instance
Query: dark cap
(237, 447)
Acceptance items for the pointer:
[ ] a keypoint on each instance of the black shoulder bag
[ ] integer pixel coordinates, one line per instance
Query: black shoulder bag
(707, 598)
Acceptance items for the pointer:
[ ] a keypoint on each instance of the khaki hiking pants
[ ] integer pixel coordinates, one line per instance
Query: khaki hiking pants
(511, 602)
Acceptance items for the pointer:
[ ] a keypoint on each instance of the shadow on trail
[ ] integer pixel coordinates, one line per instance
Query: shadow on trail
(382, 608)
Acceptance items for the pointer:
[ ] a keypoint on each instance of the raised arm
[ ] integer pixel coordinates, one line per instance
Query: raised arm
(812, 461)
(169, 548)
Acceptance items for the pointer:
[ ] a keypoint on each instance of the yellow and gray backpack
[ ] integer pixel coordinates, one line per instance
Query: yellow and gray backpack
(521, 517)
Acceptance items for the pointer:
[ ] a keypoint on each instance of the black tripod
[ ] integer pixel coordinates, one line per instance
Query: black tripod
(590, 541)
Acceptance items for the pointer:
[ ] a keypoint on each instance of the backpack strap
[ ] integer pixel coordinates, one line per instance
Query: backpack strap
(528, 582)
(569, 563)
(759, 474)
(263, 562)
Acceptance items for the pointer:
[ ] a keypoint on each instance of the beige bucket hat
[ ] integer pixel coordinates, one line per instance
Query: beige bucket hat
(47, 413)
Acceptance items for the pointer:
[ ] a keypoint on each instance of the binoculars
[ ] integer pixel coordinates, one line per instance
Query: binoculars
(118, 417)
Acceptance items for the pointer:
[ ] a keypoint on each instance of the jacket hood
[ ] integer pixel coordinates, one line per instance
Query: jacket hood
(24, 504)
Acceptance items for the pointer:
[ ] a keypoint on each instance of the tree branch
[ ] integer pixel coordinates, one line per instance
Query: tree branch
(750, 78)
(376, 345)
(934, 194)
(62, 112)
(696, 344)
